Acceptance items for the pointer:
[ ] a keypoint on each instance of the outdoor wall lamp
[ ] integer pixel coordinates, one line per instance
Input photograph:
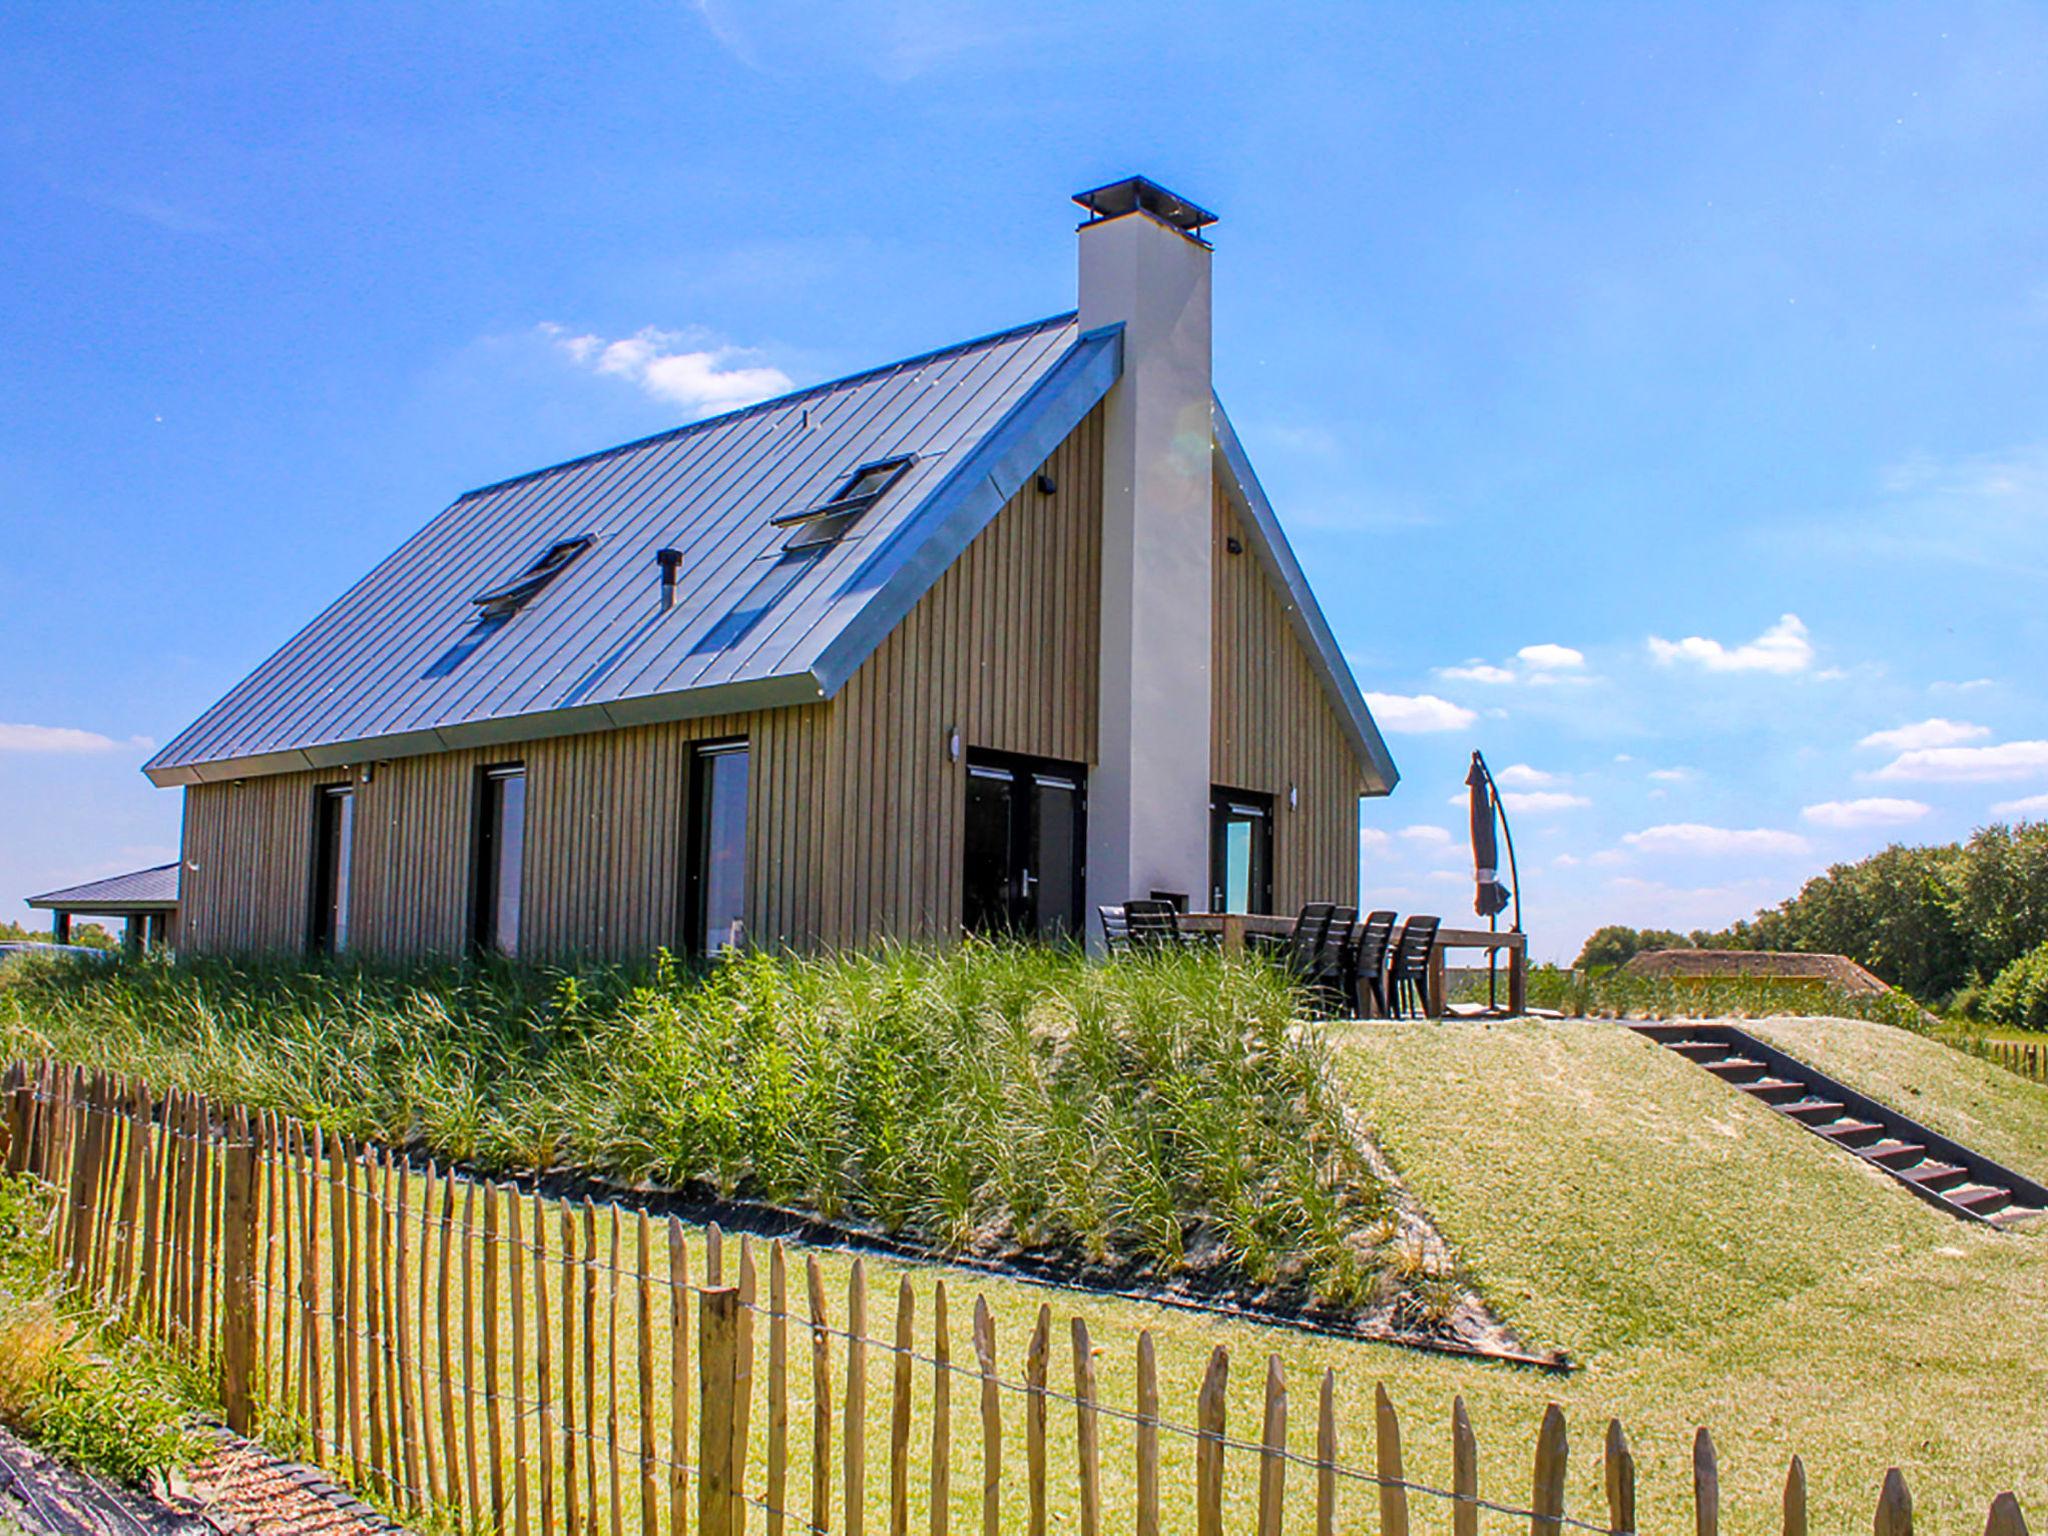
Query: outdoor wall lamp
(1293, 797)
(953, 744)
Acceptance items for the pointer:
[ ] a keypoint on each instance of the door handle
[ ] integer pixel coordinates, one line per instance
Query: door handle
(1027, 880)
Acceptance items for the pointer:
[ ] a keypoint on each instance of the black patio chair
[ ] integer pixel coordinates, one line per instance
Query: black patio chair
(1408, 967)
(1327, 975)
(1116, 930)
(1367, 962)
(1304, 944)
(1150, 924)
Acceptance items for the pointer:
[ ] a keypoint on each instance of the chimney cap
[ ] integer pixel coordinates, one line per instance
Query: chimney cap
(1136, 193)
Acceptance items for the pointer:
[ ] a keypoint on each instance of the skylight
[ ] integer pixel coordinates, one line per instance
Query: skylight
(829, 520)
(510, 596)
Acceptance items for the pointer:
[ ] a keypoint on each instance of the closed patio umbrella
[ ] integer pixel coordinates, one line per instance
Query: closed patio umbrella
(1491, 897)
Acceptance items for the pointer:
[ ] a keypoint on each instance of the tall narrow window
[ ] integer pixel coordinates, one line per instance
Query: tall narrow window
(500, 858)
(334, 826)
(1240, 852)
(715, 887)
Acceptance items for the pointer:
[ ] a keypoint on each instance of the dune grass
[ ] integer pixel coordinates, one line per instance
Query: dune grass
(991, 1099)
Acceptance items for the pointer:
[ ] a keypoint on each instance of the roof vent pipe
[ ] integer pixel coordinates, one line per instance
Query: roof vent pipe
(670, 560)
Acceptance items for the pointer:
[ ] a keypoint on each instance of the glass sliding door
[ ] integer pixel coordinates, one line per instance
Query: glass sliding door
(1240, 852)
(715, 884)
(334, 824)
(1025, 847)
(499, 878)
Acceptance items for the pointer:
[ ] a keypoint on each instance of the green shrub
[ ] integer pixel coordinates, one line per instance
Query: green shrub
(2018, 998)
(988, 1098)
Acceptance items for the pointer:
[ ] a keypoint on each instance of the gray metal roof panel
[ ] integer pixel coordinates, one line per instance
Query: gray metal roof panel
(400, 656)
(153, 887)
(1270, 543)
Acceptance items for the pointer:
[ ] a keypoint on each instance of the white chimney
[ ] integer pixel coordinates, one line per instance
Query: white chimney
(1144, 265)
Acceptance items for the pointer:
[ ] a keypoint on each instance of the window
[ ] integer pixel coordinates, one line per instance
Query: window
(500, 859)
(828, 521)
(715, 883)
(1240, 851)
(510, 596)
(334, 826)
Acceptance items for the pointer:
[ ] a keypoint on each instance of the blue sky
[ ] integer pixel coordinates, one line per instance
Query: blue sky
(1657, 396)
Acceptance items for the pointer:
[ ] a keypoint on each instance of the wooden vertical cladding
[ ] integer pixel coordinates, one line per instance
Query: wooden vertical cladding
(1273, 727)
(855, 807)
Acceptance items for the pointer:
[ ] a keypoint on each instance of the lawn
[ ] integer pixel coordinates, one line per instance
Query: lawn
(1964, 1097)
(1707, 1262)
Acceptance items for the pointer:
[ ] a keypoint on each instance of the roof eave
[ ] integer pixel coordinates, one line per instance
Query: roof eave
(1269, 541)
(503, 730)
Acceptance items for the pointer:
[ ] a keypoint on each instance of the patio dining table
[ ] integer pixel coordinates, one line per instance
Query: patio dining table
(1233, 928)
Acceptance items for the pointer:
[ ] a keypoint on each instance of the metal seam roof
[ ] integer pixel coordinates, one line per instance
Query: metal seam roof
(400, 663)
(156, 886)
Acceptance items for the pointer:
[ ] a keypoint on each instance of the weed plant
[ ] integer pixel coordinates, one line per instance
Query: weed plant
(81, 1391)
(1160, 1112)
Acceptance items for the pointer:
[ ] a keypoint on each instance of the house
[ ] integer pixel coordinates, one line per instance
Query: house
(144, 900)
(978, 640)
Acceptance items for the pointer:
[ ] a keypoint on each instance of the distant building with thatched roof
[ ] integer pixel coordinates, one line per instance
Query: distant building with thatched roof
(1753, 965)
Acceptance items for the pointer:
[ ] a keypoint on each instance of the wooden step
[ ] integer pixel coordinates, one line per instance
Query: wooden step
(1774, 1090)
(1935, 1176)
(1853, 1134)
(1894, 1154)
(1731, 1067)
(2012, 1215)
(1698, 1050)
(1982, 1199)
(1815, 1111)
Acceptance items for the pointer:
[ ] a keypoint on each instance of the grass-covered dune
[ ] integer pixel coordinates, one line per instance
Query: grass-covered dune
(1162, 1114)
(1708, 1262)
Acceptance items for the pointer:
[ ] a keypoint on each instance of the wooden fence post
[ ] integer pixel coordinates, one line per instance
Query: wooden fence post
(1795, 1498)
(1273, 1455)
(821, 1399)
(942, 1412)
(1894, 1506)
(238, 1312)
(679, 1377)
(855, 1448)
(1087, 1437)
(1387, 1465)
(777, 1492)
(991, 1421)
(899, 1409)
(718, 1337)
(1546, 1500)
(1464, 1472)
(1621, 1482)
(2005, 1518)
(1147, 1435)
(1706, 1486)
(1036, 1356)
(1210, 1421)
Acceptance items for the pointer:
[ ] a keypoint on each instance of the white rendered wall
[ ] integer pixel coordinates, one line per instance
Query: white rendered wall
(1148, 796)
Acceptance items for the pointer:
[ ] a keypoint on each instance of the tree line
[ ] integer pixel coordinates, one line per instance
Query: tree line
(1957, 925)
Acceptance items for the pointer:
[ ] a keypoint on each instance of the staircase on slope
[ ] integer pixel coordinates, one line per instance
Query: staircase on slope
(1940, 1171)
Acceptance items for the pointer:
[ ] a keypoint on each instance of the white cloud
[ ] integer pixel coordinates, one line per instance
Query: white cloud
(1477, 672)
(1875, 811)
(1541, 802)
(1424, 833)
(1548, 657)
(676, 366)
(1418, 713)
(1540, 664)
(64, 738)
(1371, 837)
(1969, 765)
(1672, 775)
(1928, 733)
(2031, 805)
(1522, 776)
(1690, 837)
(1783, 648)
